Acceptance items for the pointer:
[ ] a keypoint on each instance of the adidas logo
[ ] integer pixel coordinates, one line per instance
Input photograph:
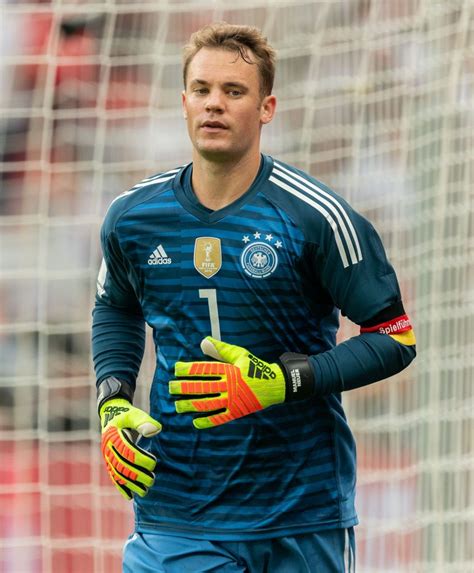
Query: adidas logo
(259, 369)
(112, 411)
(159, 257)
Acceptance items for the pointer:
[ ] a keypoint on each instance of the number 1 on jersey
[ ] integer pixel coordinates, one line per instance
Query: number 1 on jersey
(211, 295)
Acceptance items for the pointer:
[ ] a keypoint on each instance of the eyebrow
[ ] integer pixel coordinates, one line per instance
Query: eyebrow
(225, 84)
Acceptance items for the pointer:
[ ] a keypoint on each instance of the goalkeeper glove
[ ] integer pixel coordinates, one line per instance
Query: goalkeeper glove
(239, 384)
(130, 467)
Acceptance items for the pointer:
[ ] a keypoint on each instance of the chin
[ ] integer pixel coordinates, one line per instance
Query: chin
(215, 153)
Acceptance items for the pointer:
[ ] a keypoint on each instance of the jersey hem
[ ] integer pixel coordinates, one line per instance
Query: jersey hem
(239, 535)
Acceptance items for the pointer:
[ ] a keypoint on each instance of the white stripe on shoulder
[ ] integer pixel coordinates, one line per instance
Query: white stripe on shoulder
(160, 179)
(331, 204)
(323, 212)
(156, 178)
(162, 174)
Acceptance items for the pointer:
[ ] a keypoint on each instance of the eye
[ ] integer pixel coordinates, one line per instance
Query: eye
(200, 91)
(234, 93)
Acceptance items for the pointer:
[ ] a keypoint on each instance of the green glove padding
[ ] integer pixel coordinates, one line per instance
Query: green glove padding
(240, 384)
(130, 467)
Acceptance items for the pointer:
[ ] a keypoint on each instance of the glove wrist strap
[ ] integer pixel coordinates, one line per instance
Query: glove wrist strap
(299, 377)
(113, 388)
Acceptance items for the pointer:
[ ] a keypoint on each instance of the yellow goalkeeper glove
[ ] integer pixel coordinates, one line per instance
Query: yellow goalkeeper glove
(130, 467)
(239, 384)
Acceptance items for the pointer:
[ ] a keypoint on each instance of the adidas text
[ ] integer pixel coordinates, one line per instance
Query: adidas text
(263, 367)
(159, 257)
(112, 411)
(159, 261)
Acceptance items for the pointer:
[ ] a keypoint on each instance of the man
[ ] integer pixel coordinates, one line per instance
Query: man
(255, 466)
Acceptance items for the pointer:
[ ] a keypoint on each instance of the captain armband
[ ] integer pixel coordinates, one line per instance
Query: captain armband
(398, 327)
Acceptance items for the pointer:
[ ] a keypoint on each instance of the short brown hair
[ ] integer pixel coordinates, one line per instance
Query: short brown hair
(240, 39)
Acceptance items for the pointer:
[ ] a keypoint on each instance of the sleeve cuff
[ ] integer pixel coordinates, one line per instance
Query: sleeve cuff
(299, 376)
(113, 388)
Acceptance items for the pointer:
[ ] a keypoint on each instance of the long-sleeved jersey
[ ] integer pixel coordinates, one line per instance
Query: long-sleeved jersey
(269, 272)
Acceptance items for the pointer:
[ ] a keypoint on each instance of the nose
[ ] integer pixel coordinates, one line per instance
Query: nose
(214, 101)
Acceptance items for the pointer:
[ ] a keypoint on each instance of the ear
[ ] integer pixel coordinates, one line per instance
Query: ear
(267, 109)
(183, 104)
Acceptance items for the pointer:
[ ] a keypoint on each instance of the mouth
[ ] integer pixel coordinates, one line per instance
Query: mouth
(213, 126)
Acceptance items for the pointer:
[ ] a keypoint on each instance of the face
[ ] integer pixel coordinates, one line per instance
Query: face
(223, 106)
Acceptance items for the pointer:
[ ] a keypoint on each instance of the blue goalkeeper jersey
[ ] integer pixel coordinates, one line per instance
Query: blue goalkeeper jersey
(270, 272)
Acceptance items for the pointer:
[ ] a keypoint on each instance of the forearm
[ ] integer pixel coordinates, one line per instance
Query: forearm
(118, 343)
(359, 361)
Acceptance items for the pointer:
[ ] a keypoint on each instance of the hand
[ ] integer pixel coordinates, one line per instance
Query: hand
(240, 384)
(130, 467)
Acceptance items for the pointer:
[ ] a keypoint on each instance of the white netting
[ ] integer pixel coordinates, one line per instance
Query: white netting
(375, 99)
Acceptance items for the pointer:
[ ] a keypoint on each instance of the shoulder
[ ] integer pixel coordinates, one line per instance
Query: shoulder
(301, 190)
(147, 188)
(324, 216)
(311, 200)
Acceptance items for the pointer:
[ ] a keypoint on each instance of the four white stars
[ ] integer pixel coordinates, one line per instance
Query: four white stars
(246, 239)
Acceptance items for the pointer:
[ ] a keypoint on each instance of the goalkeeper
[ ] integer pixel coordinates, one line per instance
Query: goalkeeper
(241, 265)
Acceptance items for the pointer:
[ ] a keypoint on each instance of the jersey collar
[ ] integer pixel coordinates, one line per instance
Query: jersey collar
(185, 194)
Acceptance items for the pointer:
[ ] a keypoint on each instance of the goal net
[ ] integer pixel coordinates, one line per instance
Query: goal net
(375, 98)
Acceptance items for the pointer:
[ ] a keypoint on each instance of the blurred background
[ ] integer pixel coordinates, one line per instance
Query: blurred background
(376, 100)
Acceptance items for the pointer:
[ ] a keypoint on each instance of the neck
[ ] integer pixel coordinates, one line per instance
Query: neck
(217, 185)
